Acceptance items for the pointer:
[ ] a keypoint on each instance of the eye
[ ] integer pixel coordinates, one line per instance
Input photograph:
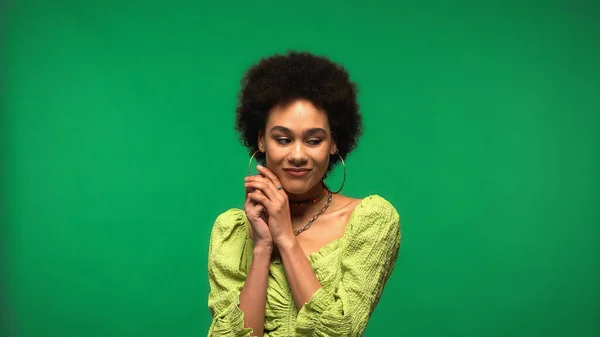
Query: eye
(282, 141)
(314, 142)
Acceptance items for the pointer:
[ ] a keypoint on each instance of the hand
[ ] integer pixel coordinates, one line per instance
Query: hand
(257, 216)
(275, 202)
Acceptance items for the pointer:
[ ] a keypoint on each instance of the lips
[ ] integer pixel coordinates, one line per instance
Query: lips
(297, 172)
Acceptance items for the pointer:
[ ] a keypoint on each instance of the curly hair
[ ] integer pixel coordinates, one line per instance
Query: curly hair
(281, 79)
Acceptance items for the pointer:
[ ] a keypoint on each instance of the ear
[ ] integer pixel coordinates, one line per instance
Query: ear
(334, 149)
(261, 141)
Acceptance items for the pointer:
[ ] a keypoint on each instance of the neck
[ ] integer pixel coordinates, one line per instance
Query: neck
(312, 194)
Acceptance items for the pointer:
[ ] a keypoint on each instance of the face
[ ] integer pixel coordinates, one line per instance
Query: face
(297, 143)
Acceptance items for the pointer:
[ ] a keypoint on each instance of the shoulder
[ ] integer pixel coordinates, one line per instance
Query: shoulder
(227, 254)
(375, 208)
(230, 224)
(373, 228)
(374, 219)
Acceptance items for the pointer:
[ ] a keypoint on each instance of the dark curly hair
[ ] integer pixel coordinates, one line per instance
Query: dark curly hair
(281, 79)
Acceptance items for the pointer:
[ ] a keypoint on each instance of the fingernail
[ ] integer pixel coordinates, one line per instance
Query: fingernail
(259, 167)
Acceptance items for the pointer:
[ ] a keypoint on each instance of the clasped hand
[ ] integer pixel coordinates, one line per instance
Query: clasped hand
(267, 209)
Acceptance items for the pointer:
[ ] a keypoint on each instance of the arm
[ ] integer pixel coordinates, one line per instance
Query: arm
(254, 293)
(226, 276)
(366, 262)
(300, 275)
(238, 293)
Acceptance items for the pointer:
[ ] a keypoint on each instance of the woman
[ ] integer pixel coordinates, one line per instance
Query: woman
(299, 259)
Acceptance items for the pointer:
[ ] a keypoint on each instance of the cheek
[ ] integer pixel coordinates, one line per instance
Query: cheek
(323, 161)
(274, 155)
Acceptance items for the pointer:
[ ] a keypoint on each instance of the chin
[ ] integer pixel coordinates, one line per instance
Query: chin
(296, 187)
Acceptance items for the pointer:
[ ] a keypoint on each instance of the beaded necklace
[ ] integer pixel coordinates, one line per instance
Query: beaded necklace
(313, 201)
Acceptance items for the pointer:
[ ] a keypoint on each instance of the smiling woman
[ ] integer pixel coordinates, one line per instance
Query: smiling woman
(299, 259)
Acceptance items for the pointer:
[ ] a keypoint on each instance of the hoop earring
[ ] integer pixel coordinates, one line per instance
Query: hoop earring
(250, 162)
(343, 181)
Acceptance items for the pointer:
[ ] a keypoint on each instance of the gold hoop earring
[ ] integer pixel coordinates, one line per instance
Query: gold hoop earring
(343, 181)
(250, 162)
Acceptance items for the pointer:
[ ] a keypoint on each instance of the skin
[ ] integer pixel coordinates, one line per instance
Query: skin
(297, 135)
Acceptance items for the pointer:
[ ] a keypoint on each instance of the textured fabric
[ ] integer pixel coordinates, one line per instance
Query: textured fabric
(352, 271)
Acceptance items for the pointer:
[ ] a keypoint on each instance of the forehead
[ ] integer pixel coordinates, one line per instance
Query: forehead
(298, 115)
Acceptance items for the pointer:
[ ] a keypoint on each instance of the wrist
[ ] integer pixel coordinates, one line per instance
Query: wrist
(263, 248)
(286, 244)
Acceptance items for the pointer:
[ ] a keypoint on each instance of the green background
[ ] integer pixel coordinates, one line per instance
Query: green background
(482, 127)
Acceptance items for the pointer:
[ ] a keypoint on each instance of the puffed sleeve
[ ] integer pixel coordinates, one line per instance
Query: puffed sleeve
(367, 260)
(227, 274)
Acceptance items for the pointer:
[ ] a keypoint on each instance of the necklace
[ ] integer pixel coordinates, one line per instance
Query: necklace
(307, 226)
(313, 201)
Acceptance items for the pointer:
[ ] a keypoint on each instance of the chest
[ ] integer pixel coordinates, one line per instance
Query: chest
(323, 231)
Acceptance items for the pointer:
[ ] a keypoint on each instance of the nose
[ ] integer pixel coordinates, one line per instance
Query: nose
(297, 155)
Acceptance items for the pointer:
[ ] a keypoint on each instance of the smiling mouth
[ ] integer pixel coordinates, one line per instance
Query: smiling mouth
(297, 172)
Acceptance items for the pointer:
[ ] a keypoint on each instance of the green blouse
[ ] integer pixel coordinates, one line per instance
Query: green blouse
(352, 271)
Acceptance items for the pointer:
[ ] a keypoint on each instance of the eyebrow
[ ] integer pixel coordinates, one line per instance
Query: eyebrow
(307, 132)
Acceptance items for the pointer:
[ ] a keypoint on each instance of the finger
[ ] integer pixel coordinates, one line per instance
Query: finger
(253, 206)
(256, 177)
(259, 206)
(261, 178)
(260, 198)
(250, 189)
(266, 187)
(269, 175)
(249, 202)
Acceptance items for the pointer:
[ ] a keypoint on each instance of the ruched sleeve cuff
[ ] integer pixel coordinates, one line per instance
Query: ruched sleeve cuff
(230, 321)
